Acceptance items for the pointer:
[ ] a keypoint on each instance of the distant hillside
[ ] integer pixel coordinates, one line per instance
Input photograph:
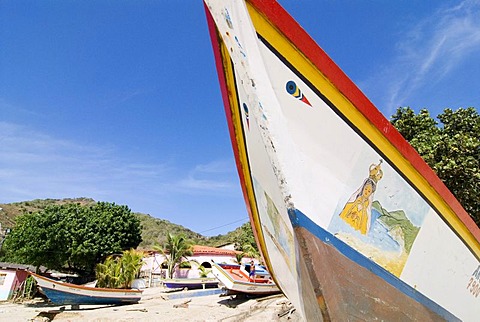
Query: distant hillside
(154, 230)
(11, 210)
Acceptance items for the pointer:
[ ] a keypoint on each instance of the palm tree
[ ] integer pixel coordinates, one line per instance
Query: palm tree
(239, 257)
(176, 248)
(203, 272)
(119, 272)
(250, 251)
(131, 264)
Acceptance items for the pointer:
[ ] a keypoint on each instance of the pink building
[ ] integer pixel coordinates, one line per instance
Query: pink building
(202, 255)
(11, 278)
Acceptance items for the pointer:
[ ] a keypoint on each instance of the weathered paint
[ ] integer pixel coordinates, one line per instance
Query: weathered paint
(353, 286)
(318, 159)
(66, 293)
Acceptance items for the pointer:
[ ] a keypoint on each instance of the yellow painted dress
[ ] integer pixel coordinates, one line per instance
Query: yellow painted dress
(356, 214)
(357, 210)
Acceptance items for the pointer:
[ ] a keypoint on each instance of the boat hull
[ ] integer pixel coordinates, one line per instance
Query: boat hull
(337, 198)
(71, 294)
(191, 284)
(346, 289)
(236, 281)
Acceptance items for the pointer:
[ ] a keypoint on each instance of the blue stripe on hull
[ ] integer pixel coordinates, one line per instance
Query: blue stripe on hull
(60, 297)
(298, 219)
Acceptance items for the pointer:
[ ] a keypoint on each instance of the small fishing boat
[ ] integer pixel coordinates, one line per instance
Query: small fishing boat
(351, 222)
(70, 294)
(191, 283)
(236, 279)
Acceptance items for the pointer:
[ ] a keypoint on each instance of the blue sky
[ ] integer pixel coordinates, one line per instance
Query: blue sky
(119, 100)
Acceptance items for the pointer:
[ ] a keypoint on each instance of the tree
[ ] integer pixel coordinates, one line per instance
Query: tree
(175, 249)
(72, 237)
(119, 271)
(452, 149)
(245, 240)
(203, 272)
(239, 257)
(250, 251)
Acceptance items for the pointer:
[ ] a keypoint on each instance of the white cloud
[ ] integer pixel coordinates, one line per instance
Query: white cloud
(36, 165)
(215, 177)
(428, 52)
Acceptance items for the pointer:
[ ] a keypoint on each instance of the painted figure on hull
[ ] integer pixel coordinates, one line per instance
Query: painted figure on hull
(357, 210)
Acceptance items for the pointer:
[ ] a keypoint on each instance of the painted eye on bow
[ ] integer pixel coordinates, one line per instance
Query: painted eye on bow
(293, 90)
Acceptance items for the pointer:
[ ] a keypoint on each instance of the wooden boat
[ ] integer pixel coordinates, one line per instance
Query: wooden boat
(351, 222)
(191, 283)
(237, 280)
(65, 293)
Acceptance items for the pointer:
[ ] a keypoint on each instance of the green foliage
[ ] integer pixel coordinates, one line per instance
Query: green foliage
(175, 249)
(119, 272)
(245, 241)
(27, 290)
(153, 230)
(250, 251)
(452, 149)
(72, 236)
(241, 237)
(203, 272)
(30, 288)
(239, 257)
(12, 210)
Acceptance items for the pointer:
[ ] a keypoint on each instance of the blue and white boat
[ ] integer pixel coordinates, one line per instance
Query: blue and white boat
(191, 283)
(70, 294)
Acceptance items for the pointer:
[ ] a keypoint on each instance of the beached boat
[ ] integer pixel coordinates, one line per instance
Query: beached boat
(65, 293)
(236, 279)
(191, 283)
(351, 222)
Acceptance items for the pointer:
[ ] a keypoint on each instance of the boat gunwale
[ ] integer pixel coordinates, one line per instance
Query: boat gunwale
(298, 37)
(234, 281)
(86, 288)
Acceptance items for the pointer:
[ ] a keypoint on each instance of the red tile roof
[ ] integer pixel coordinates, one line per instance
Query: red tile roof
(204, 250)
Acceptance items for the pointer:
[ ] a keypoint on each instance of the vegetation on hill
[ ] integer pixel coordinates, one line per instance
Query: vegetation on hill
(9, 211)
(154, 230)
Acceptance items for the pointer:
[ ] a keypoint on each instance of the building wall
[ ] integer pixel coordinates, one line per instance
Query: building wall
(153, 264)
(10, 280)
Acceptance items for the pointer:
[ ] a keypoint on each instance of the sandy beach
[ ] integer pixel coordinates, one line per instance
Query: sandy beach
(156, 305)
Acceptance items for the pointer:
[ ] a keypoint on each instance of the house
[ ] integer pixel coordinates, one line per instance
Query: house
(202, 255)
(11, 278)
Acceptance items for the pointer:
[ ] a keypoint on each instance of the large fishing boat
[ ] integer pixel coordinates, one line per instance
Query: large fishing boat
(351, 222)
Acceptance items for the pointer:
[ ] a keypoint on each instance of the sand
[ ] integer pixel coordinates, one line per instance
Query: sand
(156, 306)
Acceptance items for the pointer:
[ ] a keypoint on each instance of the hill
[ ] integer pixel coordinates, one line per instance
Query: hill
(154, 230)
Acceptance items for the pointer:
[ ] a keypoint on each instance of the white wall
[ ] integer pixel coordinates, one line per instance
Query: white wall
(153, 264)
(5, 289)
